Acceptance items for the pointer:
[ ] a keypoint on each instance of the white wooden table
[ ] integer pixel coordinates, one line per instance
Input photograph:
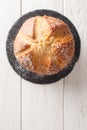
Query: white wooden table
(58, 106)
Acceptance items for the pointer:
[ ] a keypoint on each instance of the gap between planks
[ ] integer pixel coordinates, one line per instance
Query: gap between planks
(20, 80)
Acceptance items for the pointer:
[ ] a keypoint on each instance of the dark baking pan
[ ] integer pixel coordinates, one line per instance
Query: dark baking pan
(33, 77)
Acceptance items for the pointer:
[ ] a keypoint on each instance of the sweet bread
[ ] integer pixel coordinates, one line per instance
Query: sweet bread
(44, 45)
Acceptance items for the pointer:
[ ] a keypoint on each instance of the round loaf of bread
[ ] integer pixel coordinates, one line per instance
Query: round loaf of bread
(44, 45)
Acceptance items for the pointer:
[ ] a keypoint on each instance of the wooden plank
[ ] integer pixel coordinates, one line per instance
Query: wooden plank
(56, 5)
(42, 105)
(9, 81)
(75, 94)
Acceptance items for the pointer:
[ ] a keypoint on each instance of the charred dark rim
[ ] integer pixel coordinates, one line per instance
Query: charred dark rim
(33, 77)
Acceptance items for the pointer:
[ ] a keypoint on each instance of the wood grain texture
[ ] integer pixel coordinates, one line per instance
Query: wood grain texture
(75, 92)
(56, 5)
(9, 81)
(42, 105)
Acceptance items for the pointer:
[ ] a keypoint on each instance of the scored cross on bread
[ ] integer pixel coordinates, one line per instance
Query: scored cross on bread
(44, 45)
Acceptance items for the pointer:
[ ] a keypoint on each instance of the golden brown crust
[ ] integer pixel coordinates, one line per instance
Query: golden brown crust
(44, 45)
